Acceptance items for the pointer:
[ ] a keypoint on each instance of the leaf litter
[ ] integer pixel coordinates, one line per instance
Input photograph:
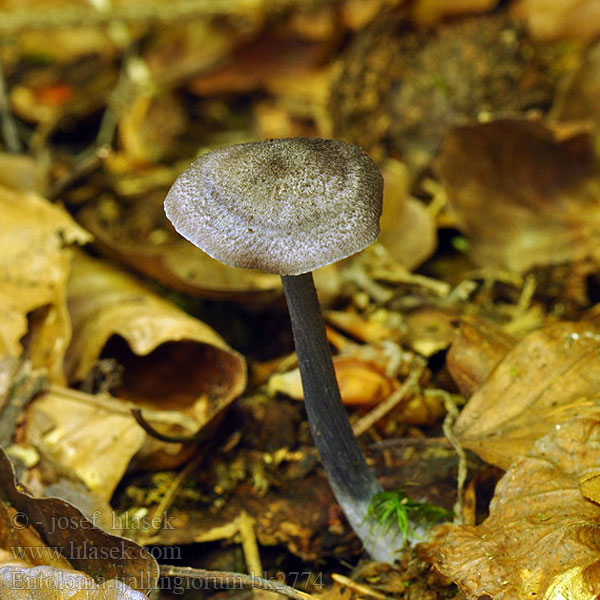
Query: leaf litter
(484, 120)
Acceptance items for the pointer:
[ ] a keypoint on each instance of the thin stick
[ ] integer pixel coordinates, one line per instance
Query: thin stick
(249, 544)
(361, 588)
(10, 135)
(167, 500)
(387, 405)
(448, 428)
(234, 581)
(410, 441)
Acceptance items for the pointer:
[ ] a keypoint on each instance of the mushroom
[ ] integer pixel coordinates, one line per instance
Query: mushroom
(290, 206)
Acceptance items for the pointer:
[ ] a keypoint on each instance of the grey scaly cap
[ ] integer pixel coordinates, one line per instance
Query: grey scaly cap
(285, 206)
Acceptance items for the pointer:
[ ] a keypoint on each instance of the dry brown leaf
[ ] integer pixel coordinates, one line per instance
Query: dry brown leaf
(365, 383)
(50, 531)
(33, 272)
(550, 376)
(50, 583)
(93, 441)
(170, 360)
(430, 330)
(253, 65)
(579, 100)
(152, 247)
(478, 347)
(542, 535)
(408, 229)
(376, 327)
(560, 19)
(523, 197)
(360, 382)
(428, 12)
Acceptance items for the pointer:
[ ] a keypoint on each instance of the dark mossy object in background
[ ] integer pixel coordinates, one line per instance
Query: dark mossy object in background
(400, 90)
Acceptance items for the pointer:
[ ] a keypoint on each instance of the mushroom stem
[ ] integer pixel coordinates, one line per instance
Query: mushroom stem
(353, 482)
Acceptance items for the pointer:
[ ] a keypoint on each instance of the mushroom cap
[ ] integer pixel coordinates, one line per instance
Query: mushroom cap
(284, 206)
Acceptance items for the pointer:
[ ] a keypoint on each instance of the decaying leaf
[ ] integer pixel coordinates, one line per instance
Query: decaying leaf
(542, 536)
(427, 12)
(50, 583)
(33, 273)
(52, 532)
(152, 247)
(560, 19)
(478, 347)
(170, 360)
(408, 229)
(549, 376)
(430, 330)
(360, 382)
(92, 438)
(579, 100)
(522, 196)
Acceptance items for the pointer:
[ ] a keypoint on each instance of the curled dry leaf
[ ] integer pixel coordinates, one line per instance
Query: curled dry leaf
(542, 536)
(152, 247)
(408, 229)
(50, 583)
(523, 197)
(478, 347)
(52, 532)
(92, 438)
(549, 376)
(33, 273)
(170, 360)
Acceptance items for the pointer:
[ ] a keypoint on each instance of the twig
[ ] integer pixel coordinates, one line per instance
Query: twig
(87, 165)
(10, 135)
(234, 581)
(448, 428)
(249, 544)
(410, 441)
(167, 499)
(173, 439)
(387, 405)
(361, 588)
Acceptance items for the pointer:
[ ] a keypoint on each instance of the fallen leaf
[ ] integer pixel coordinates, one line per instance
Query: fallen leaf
(560, 19)
(430, 330)
(428, 12)
(478, 347)
(522, 197)
(578, 101)
(589, 485)
(33, 273)
(50, 531)
(542, 536)
(93, 441)
(360, 382)
(170, 360)
(549, 376)
(408, 229)
(50, 583)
